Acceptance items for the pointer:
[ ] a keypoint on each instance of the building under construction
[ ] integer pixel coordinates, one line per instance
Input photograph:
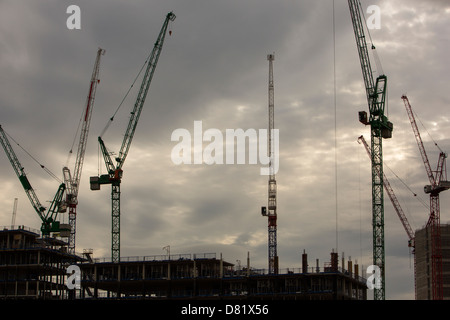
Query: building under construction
(205, 276)
(32, 267)
(423, 252)
(35, 267)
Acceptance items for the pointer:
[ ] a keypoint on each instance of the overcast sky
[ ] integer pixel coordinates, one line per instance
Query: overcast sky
(214, 69)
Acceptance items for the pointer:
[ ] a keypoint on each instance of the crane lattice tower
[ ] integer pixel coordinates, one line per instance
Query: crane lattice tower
(271, 213)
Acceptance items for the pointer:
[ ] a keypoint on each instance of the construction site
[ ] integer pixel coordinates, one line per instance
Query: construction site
(47, 264)
(36, 268)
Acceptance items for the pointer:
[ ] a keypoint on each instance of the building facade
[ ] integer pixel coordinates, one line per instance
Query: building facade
(205, 276)
(423, 251)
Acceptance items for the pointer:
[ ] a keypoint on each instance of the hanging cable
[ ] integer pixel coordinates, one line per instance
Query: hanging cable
(126, 95)
(360, 206)
(40, 164)
(75, 138)
(374, 49)
(423, 202)
(335, 130)
(431, 137)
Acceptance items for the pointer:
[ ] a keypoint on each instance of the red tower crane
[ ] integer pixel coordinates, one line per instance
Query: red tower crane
(438, 183)
(73, 181)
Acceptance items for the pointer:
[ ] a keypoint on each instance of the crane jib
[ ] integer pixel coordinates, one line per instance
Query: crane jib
(89, 102)
(142, 94)
(115, 172)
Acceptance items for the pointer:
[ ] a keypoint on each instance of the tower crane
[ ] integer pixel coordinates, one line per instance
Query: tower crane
(73, 181)
(438, 183)
(380, 128)
(114, 175)
(49, 220)
(271, 210)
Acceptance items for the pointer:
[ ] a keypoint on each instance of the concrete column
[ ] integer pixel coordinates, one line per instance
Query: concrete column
(221, 266)
(168, 270)
(248, 264)
(304, 262)
(349, 267)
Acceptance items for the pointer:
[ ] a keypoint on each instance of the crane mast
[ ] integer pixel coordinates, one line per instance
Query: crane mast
(73, 181)
(13, 219)
(271, 211)
(387, 186)
(438, 183)
(394, 200)
(380, 128)
(49, 219)
(114, 175)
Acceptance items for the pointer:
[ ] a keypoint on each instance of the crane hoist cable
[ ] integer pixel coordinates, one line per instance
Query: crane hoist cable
(409, 188)
(75, 136)
(374, 49)
(428, 132)
(111, 119)
(48, 171)
(335, 133)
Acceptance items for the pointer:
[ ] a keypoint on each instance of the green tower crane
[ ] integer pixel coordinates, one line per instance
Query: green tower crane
(50, 223)
(380, 129)
(114, 175)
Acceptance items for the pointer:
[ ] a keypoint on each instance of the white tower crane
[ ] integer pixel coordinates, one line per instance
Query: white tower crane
(271, 210)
